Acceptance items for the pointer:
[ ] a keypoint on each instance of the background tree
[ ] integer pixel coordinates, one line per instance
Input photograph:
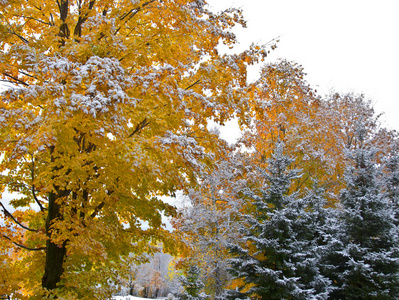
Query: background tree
(210, 220)
(315, 129)
(391, 183)
(106, 110)
(285, 108)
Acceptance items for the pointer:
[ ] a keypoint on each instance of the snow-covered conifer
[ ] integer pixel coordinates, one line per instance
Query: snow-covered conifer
(192, 285)
(279, 253)
(369, 259)
(392, 183)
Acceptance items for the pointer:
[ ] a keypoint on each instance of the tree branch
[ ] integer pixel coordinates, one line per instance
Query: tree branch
(97, 210)
(32, 170)
(22, 246)
(7, 213)
(16, 79)
(26, 74)
(31, 18)
(190, 86)
(37, 200)
(24, 40)
(132, 13)
(139, 127)
(64, 29)
(82, 19)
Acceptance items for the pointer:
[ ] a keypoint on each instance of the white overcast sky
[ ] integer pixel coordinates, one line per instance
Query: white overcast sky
(348, 46)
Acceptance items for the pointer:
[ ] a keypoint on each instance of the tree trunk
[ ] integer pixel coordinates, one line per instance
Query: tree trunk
(55, 254)
(54, 265)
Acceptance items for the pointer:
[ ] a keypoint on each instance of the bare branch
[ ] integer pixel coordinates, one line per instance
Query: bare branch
(139, 127)
(97, 210)
(16, 80)
(132, 13)
(190, 86)
(32, 170)
(26, 74)
(34, 19)
(82, 19)
(37, 200)
(24, 40)
(7, 213)
(22, 246)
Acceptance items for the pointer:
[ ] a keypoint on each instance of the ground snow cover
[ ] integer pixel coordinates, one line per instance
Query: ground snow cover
(132, 298)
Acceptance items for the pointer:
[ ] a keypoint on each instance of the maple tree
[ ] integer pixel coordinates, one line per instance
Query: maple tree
(315, 129)
(106, 108)
(285, 108)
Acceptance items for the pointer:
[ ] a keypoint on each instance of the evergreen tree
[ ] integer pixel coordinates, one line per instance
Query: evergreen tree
(392, 183)
(278, 257)
(370, 252)
(192, 285)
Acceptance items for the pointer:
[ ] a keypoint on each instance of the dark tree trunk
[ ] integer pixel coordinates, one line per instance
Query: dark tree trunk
(54, 265)
(55, 254)
(131, 290)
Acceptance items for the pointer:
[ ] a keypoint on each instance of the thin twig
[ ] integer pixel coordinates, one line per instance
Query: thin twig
(139, 127)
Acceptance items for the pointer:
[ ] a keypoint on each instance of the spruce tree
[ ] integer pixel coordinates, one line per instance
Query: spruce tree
(192, 285)
(278, 255)
(370, 252)
(391, 183)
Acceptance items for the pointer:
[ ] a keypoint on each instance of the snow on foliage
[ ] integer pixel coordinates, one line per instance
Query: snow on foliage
(278, 255)
(370, 252)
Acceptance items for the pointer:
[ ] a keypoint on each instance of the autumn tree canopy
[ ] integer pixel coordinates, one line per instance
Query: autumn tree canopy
(106, 108)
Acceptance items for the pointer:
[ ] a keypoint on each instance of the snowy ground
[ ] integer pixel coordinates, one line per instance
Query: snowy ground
(132, 298)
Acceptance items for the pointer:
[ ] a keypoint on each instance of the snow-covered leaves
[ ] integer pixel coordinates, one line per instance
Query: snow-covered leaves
(107, 110)
(94, 87)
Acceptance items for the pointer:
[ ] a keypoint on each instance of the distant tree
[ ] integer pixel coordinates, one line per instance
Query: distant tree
(211, 219)
(147, 274)
(278, 255)
(285, 108)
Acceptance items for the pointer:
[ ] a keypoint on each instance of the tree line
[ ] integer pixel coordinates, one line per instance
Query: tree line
(281, 224)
